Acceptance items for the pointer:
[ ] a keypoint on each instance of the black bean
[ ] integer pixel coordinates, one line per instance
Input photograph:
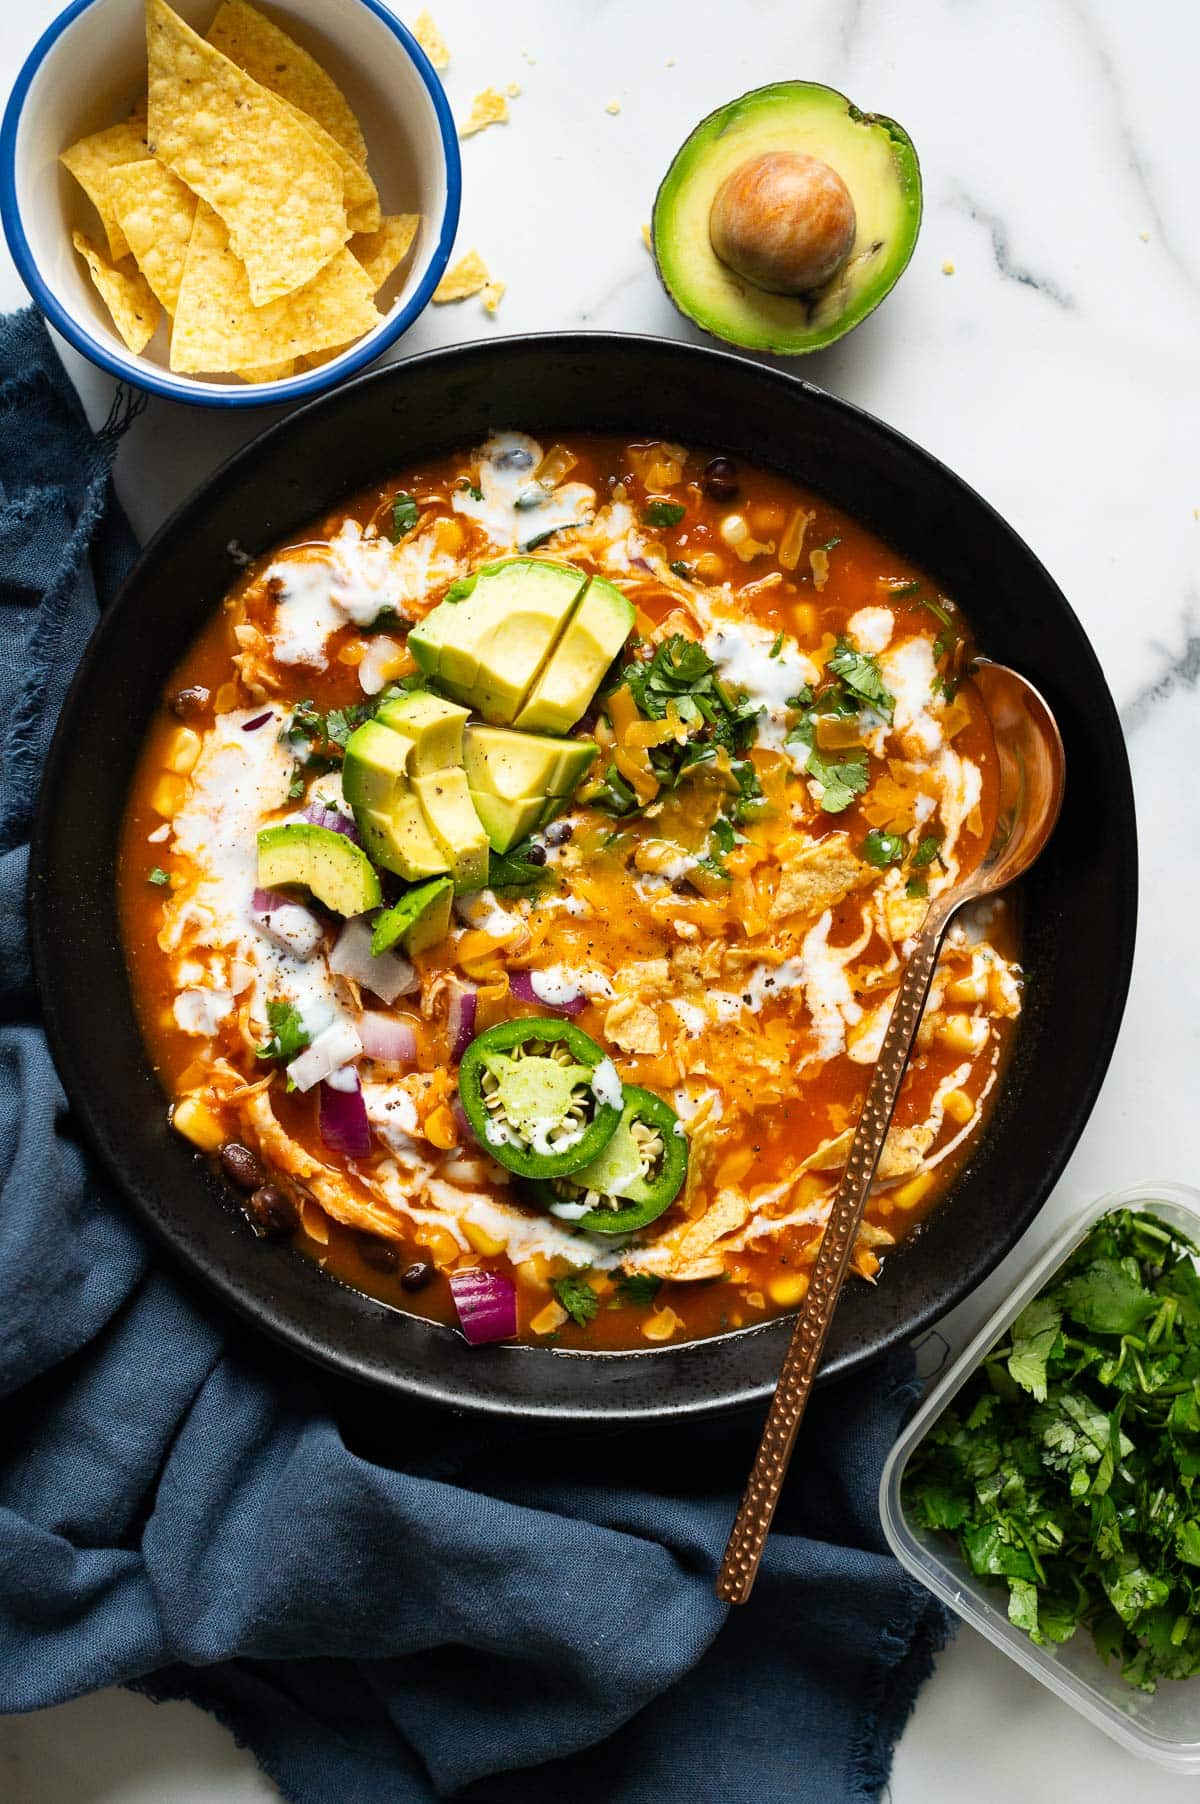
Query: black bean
(558, 833)
(273, 1215)
(719, 479)
(187, 703)
(241, 1166)
(417, 1275)
(536, 855)
(379, 1254)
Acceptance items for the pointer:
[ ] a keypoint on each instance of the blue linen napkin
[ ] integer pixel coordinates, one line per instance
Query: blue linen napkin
(382, 1603)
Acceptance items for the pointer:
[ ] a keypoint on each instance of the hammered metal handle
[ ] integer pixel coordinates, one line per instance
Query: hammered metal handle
(748, 1536)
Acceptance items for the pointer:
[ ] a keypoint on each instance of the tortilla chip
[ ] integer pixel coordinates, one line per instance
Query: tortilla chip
(155, 210)
(493, 294)
(270, 372)
(248, 155)
(818, 878)
(488, 108)
(90, 162)
(431, 41)
(257, 45)
(467, 277)
(125, 292)
(277, 63)
(381, 253)
(218, 327)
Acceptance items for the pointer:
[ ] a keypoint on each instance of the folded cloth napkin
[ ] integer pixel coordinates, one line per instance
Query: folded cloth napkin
(382, 1603)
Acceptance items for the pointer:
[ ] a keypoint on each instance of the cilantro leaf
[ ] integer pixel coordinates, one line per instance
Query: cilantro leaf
(840, 780)
(577, 1297)
(663, 513)
(638, 1289)
(405, 514)
(289, 1035)
(519, 870)
(859, 671)
(1034, 1333)
(928, 848)
(882, 849)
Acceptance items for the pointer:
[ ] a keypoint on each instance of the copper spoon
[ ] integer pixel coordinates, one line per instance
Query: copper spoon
(1029, 752)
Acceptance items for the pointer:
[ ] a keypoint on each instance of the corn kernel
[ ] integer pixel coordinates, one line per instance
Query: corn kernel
(709, 567)
(971, 988)
(1004, 998)
(440, 1244)
(789, 1289)
(910, 1194)
(661, 1324)
(767, 516)
(352, 653)
(756, 1299)
(958, 1106)
(966, 1034)
(197, 1123)
(480, 1239)
(536, 1271)
(806, 620)
(182, 751)
(547, 1320)
(442, 1130)
(734, 1166)
(168, 795)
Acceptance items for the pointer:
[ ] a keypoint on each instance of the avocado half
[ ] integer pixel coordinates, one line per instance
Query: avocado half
(874, 157)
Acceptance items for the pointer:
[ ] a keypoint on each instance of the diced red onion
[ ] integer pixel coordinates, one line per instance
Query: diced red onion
(322, 815)
(286, 922)
(461, 1019)
(487, 1305)
(342, 1119)
(337, 1046)
(388, 1039)
(388, 976)
(639, 563)
(260, 720)
(466, 1133)
(521, 985)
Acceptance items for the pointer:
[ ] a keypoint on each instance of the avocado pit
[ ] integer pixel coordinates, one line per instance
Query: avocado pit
(784, 221)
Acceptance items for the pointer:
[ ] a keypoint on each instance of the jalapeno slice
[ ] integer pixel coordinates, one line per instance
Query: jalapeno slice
(541, 1096)
(637, 1176)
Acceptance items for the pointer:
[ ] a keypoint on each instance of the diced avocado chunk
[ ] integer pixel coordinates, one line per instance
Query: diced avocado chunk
(598, 629)
(421, 918)
(874, 158)
(375, 765)
(433, 726)
(330, 866)
(450, 814)
(400, 839)
(518, 781)
(487, 641)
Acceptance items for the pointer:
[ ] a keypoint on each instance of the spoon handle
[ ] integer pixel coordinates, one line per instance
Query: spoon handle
(748, 1536)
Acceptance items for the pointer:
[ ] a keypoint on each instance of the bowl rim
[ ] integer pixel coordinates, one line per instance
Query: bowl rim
(257, 1305)
(149, 376)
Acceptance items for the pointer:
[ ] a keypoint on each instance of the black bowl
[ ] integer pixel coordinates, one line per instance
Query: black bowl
(1079, 903)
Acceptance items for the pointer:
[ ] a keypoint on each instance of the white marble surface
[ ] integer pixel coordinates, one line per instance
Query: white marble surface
(1056, 369)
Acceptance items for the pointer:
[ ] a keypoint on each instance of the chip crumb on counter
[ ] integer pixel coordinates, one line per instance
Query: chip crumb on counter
(462, 279)
(431, 40)
(492, 294)
(947, 268)
(488, 108)
(614, 107)
(646, 239)
(513, 90)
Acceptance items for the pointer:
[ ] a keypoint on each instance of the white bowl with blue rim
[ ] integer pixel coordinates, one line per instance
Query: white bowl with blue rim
(87, 70)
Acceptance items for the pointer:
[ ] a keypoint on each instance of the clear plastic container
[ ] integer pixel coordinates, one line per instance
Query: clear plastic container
(1165, 1726)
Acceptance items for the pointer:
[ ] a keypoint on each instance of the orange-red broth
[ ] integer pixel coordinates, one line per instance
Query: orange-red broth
(861, 570)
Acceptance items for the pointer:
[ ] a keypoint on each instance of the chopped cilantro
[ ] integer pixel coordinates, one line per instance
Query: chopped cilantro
(882, 849)
(840, 780)
(540, 538)
(801, 699)
(939, 613)
(859, 671)
(296, 786)
(638, 1289)
(289, 1035)
(405, 514)
(577, 1297)
(680, 569)
(326, 734)
(515, 870)
(663, 513)
(830, 543)
(157, 876)
(916, 888)
(777, 647)
(471, 489)
(898, 590)
(723, 833)
(712, 865)
(928, 848)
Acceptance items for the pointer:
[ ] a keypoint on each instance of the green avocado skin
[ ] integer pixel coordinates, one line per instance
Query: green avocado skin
(787, 326)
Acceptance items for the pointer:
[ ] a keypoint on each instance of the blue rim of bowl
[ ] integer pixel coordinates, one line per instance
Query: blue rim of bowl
(177, 388)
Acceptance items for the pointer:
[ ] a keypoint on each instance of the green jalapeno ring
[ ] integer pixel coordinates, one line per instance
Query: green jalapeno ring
(537, 1096)
(645, 1170)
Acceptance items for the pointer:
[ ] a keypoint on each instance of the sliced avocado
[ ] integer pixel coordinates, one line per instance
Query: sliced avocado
(374, 767)
(518, 781)
(451, 818)
(400, 840)
(434, 728)
(421, 918)
(597, 630)
(487, 641)
(743, 178)
(335, 870)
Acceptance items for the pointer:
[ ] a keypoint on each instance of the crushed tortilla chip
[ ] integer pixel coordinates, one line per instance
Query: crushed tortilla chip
(381, 253)
(646, 239)
(488, 108)
(92, 159)
(493, 294)
(155, 211)
(633, 1027)
(820, 877)
(278, 63)
(431, 41)
(270, 372)
(248, 155)
(125, 292)
(218, 327)
(464, 279)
